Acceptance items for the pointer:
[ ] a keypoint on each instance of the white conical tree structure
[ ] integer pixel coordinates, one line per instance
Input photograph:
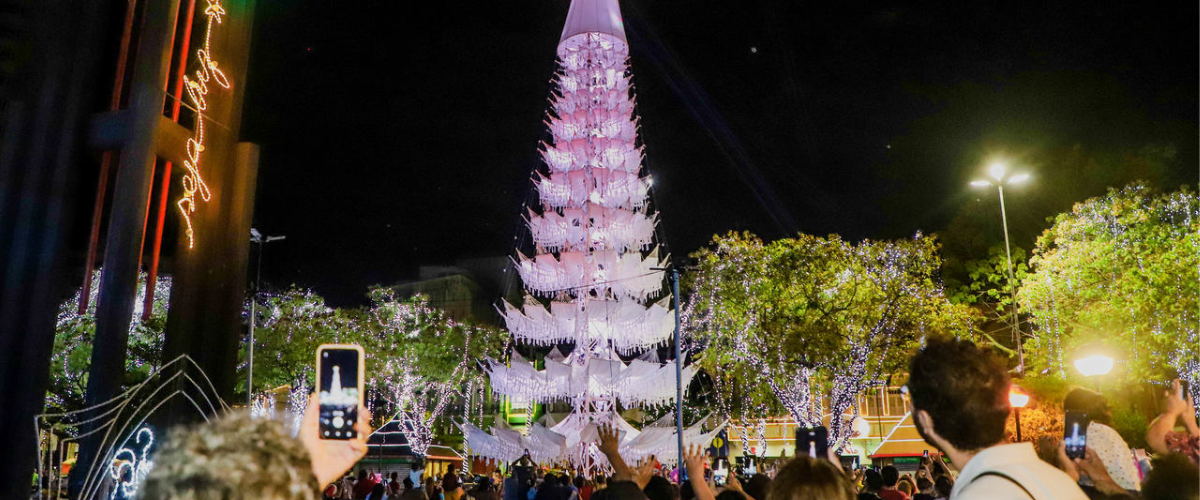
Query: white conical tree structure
(594, 265)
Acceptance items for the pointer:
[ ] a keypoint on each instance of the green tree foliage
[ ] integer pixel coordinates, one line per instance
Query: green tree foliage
(75, 333)
(418, 361)
(989, 291)
(1119, 272)
(808, 318)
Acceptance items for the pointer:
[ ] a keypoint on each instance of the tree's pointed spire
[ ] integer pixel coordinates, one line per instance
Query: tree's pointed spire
(593, 16)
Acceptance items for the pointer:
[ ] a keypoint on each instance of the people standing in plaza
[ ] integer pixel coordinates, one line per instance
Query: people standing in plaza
(432, 489)
(484, 490)
(890, 476)
(364, 485)
(451, 486)
(411, 492)
(924, 489)
(960, 405)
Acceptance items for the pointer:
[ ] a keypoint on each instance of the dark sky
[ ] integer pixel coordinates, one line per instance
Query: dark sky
(396, 134)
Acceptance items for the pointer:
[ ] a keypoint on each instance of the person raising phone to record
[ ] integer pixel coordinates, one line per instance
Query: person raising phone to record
(237, 456)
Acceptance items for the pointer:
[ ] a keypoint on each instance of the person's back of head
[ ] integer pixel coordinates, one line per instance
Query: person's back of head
(905, 487)
(234, 457)
(686, 492)
(942, 486)
(659, 488)
(377, 492)
(924, 485)
(871, 480)
(408, 484)
(579, 481)
(805, 478)
(564, 480)
(731, 495)
(620, 490)
(362, 474)
(1094, 404)
(964, 391)
(1172, 477)
(890, 476)
(757, 486)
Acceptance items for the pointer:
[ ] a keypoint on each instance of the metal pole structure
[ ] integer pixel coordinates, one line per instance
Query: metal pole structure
(250, 340)
(1017, 414)
(255, 237)
(1012, 287)
(678, 373)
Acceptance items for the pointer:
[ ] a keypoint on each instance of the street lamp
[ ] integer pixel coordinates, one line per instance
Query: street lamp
(1000, 177)
(1017, 399)
(1094, 367)
(255, 237)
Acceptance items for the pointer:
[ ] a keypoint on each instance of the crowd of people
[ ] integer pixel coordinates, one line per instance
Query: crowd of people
(959, 397)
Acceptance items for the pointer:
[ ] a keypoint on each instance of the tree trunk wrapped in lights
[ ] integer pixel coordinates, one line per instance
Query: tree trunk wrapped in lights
(592, 281)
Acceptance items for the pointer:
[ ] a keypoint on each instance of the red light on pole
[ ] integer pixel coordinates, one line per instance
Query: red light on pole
(1017, 398)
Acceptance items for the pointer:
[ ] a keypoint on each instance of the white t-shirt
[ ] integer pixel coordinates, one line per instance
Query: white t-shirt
(1042, 481)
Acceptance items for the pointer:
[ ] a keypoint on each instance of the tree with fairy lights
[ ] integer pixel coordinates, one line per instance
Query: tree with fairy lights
(73, 337)
(1120, 272)
(419, 362)
(811, 321)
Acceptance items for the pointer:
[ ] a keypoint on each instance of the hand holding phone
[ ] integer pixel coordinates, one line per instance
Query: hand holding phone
(1075, 427)
(812, 441)
(339, 389)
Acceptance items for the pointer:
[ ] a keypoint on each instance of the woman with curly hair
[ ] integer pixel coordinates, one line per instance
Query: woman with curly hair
(239, 457)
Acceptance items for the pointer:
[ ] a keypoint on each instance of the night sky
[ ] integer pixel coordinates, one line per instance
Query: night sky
(395, 135)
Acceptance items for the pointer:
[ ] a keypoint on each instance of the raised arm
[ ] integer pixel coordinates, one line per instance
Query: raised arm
(1178, 407)
(693, 459)
(609, 445)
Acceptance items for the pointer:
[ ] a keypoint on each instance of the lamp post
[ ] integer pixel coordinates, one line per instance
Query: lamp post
(1094, 367)
(678, 365)
(1017, 398)
(255, 237)
(999, 174)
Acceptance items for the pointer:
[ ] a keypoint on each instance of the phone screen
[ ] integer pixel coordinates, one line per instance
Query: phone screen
(1075, 433)
(338, 394)
(812, 441)
(720, 472)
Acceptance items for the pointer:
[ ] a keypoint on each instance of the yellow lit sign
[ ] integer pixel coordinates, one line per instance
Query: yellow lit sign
(193, 181)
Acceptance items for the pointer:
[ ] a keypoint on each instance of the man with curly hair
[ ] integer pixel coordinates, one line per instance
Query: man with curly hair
(239, 457)
(960, 404)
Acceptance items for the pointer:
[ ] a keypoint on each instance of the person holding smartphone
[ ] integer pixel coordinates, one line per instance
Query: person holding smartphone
(1161, 435)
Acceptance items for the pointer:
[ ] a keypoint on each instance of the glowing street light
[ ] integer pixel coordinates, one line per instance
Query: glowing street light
(1017, 399)
(1094, 365)
(999, 172)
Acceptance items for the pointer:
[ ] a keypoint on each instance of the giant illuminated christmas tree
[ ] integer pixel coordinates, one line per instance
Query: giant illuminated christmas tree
(592, 282)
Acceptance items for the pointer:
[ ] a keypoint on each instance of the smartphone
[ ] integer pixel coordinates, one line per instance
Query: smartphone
(850, 462)
(925, 454)
(1075, 427)
(812, 441)
(339, 389)
(720, 472)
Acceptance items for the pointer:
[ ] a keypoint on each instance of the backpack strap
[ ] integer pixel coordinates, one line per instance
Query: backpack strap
(997, 473)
